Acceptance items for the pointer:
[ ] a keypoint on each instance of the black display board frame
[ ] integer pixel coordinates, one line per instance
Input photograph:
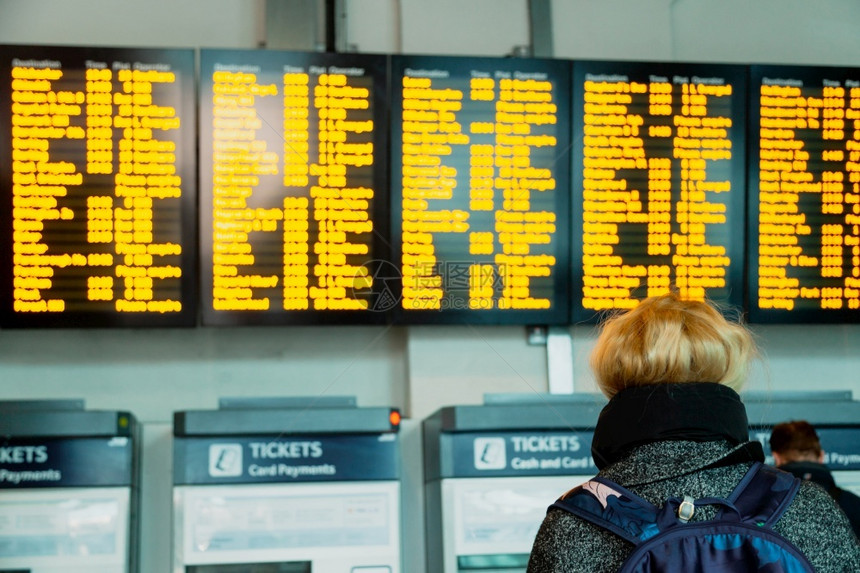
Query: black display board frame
(731, 303)
(180, 61)
(804, 77)
(463, 68)
(268, 61)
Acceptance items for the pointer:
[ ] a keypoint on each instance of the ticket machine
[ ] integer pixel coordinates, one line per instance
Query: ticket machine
(69, 492)
(491, 471)
(286, 486)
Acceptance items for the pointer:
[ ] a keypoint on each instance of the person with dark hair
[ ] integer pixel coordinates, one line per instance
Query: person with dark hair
(675, 427)
(797, 449)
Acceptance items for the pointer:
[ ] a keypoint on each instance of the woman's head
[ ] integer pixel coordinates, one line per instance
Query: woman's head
(669, 340)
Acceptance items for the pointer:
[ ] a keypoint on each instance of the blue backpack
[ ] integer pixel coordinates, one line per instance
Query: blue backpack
(738, 540)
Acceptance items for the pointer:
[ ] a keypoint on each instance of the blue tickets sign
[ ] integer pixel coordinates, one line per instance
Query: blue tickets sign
(285, 459)
(537, 453)
(74, 462)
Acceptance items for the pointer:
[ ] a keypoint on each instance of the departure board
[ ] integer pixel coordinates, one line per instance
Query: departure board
(480, 189)
(97, 179)
(659, 156)
(804, 212)
(293, 150)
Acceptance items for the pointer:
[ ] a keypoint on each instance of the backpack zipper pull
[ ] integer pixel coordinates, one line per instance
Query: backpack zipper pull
(686, 509)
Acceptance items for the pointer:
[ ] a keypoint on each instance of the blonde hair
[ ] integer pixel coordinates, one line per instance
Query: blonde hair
(669, 340)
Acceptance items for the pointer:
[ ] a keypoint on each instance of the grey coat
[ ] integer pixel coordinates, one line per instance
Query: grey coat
(656, 471)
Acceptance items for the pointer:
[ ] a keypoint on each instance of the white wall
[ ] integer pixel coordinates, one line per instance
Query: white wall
(154, 372)
(770, 31)
(154, 23)
(450, 27)
(612, 29)
(730, 31)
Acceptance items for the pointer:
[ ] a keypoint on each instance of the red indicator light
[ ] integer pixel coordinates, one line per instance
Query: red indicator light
(394, 418)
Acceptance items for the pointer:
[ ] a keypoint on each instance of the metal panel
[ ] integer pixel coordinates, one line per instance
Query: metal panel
(282, 421)
(559, 358)
(295, 25)
(540, 27)
(66, 423)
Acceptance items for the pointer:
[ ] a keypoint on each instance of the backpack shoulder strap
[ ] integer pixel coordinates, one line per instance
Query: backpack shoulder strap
(764, 494)
(604, 503)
